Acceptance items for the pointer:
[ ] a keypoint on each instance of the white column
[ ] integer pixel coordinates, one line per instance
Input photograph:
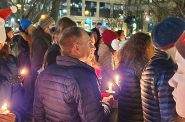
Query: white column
(68, 7)
(83, 8)
(98, 9)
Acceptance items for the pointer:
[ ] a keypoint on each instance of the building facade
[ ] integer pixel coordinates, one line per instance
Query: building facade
(88, 12)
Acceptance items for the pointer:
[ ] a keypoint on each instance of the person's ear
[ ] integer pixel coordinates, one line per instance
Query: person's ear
(75, 49)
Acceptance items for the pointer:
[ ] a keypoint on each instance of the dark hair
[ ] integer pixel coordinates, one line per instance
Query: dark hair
(64, 23)
(52, 30)
(119, 32)
(134, 53)
(5, 52)
(99, 23)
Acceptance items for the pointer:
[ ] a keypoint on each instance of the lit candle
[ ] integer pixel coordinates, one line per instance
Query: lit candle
(110, 87)
(23, 71)
(4, 109)
(117, 79)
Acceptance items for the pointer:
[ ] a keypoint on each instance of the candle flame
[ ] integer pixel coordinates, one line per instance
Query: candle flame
(110, 86)
(4, 107)
(23, 71)
(117, 79)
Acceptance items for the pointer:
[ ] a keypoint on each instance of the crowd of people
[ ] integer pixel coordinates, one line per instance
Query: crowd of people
(55, 71)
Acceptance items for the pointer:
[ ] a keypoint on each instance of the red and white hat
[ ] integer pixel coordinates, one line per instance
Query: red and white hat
(180, 45)
(4, 13)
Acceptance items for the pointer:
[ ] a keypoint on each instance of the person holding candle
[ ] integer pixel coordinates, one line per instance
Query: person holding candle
(108, 59)
(69, 90)
(11, 90)
(134, 56)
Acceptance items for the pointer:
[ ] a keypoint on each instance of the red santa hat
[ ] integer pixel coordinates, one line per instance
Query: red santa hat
(4, 13)
(108, 36)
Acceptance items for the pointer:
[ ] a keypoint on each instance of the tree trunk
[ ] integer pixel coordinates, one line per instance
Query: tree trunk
(55, 9)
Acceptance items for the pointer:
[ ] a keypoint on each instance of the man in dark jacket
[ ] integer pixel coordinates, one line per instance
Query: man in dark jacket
(68, 91)
(157, 100)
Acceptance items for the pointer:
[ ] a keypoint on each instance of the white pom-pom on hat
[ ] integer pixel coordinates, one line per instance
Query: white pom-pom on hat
(14, 9)
(115, 44)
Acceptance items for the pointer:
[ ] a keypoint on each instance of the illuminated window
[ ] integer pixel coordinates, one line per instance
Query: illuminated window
(76, 7)
(90, 8)
(117, 10)
(63, 8)
(104, 10)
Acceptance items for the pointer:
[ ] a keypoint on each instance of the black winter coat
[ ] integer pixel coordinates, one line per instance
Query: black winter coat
(157, 100)
(41, 42)
(129, 98)
(68, 92)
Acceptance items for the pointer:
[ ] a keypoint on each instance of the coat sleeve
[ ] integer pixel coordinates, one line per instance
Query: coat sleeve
(38, 109)
(166, 102)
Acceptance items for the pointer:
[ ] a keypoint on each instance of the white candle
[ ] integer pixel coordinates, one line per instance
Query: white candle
(110, 87)
(117, 79)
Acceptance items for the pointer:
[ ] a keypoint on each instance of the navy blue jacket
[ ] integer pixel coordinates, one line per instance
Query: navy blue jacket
(156, 94)
(129, 98)
(68, 92)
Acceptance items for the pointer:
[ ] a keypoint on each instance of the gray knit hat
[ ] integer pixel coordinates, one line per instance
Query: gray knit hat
(45, 22)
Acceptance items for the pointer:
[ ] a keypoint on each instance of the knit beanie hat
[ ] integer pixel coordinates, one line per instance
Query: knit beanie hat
(45, 22)
(166, 33)
(180, 45)
(25, 23)
(108, 36)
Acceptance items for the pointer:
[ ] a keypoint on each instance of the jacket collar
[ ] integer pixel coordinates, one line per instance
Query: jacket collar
(70, 61)
(159, 54)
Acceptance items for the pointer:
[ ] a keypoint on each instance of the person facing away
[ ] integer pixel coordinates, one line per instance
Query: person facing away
(178, 80)
(157, 100)
(26, 30)
(54, 50)
(134, 56)
(69, 90)
(41, 42)
(107, 59)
